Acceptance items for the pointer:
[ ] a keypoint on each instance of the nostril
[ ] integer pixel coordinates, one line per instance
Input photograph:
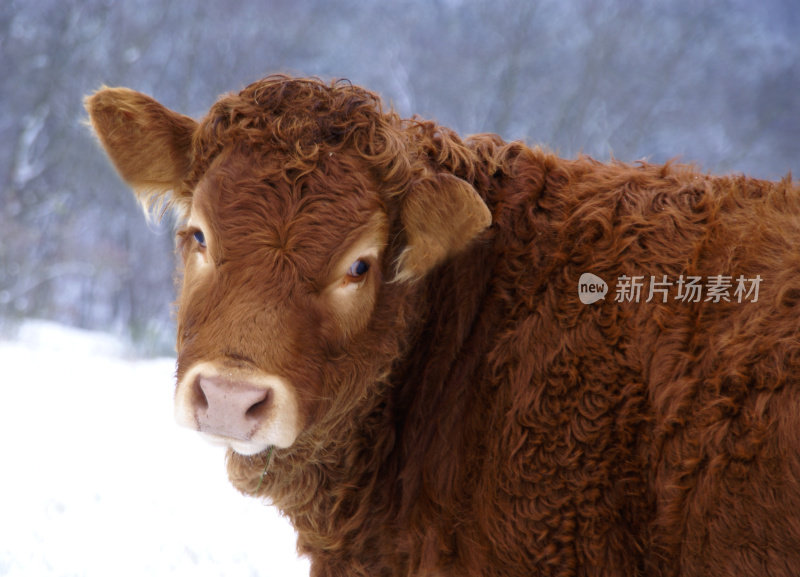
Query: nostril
(259, 408)
(199, 399)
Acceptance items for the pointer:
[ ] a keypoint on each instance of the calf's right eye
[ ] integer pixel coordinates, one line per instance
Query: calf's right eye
(200, 238)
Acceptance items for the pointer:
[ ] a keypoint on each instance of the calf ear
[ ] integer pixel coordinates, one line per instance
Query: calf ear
(441, 215)
(148, 143)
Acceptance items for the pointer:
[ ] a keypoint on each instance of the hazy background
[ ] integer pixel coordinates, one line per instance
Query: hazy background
(717, 83)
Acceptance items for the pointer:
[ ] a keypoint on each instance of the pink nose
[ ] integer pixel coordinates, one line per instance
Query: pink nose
(229, 408)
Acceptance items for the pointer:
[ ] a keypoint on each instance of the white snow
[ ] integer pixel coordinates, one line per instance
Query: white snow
(97, 480)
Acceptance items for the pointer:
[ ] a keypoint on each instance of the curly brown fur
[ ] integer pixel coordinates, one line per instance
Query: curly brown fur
(474, 417)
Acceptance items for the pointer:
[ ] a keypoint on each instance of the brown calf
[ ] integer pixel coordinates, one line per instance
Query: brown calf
(452, 357)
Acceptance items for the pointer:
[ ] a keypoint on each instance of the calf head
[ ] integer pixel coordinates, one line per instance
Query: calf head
(308, 216)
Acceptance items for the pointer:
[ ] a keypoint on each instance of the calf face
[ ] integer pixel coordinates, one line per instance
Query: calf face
(307, 216)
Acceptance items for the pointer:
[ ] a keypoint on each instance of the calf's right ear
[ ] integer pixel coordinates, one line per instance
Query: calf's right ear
(149, 144)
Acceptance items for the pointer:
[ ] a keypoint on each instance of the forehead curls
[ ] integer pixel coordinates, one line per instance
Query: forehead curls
(303, 121)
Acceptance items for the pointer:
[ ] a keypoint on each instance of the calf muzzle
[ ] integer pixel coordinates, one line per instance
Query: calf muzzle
(241, 407)
(229, 408)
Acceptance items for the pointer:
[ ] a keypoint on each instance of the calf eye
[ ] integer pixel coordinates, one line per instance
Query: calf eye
(200, 238)
(357, 270)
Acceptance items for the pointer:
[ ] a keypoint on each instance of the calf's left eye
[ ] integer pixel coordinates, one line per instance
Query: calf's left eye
(357, 270)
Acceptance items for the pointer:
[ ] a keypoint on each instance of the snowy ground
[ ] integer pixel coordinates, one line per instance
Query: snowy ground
(97, 480)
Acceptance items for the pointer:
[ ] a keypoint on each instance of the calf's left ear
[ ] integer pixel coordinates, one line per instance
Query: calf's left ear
(441, 215)
(149, 144)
